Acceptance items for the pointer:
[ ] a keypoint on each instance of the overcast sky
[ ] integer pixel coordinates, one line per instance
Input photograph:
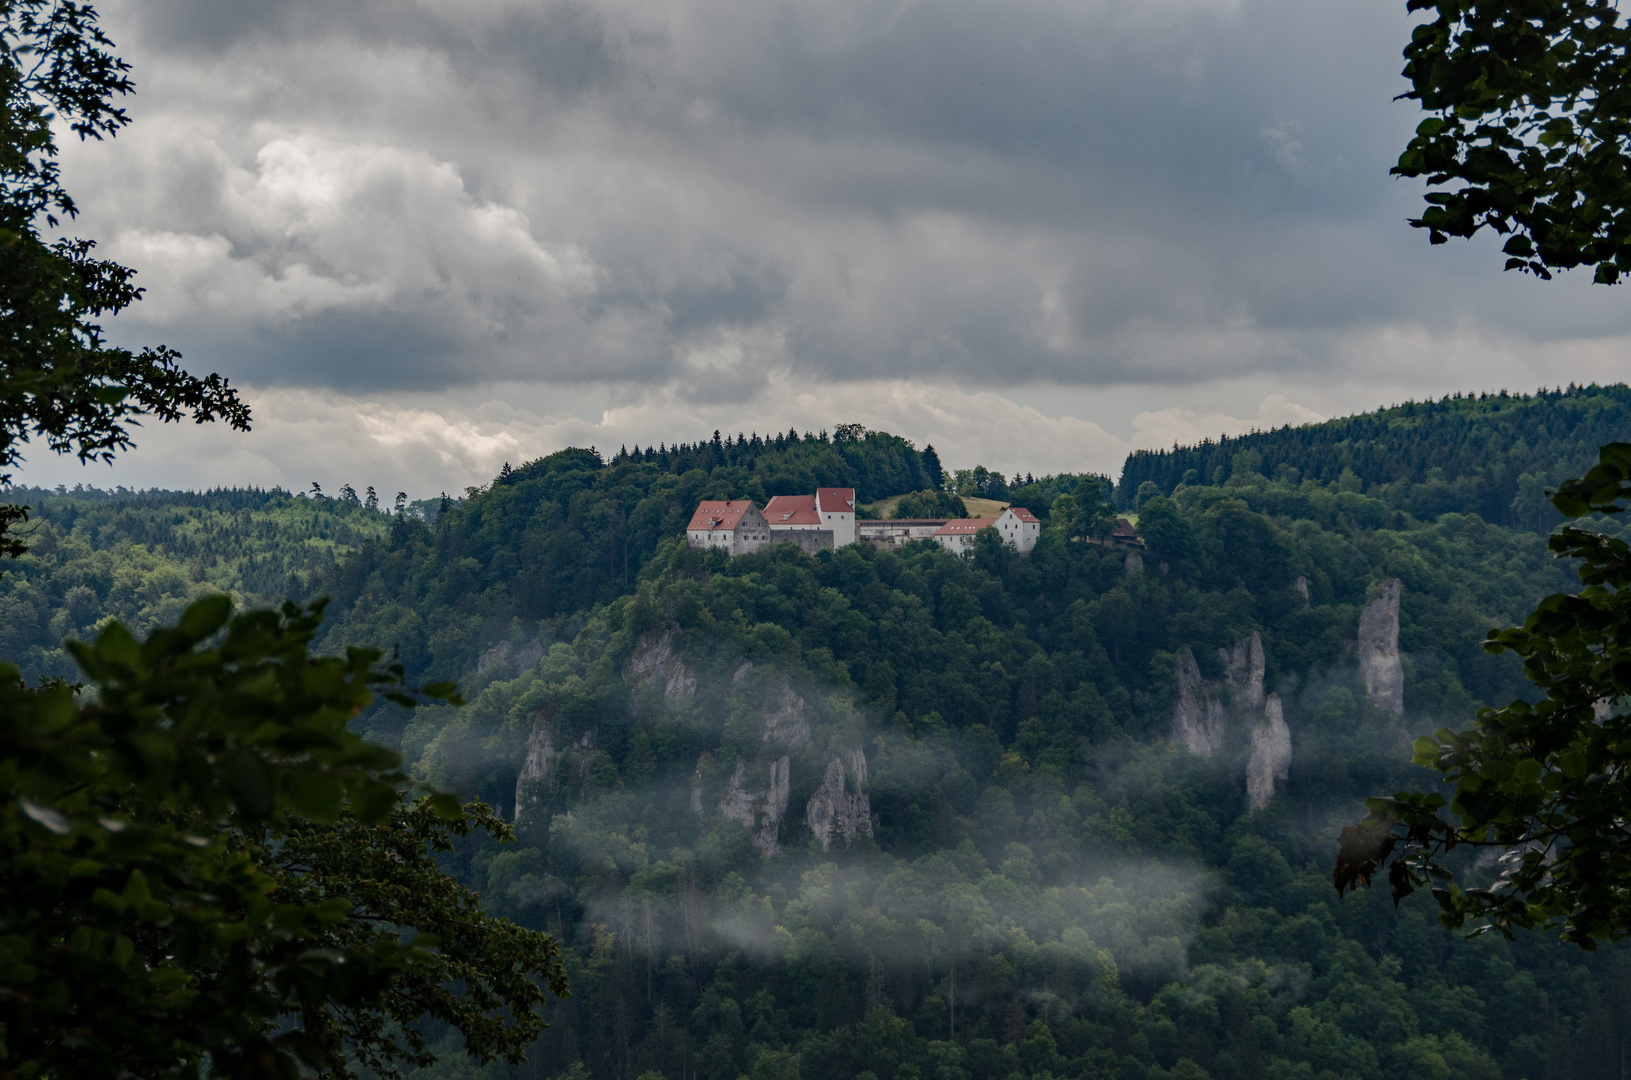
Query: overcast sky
(427, 238)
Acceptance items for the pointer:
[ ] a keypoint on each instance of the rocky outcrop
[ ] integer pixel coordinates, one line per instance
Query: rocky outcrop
(1198, 717)
(705, 762)
(1301, 585)
(786, 724)
(839, 808)
(758, 787)
(1245, 666)
(783, 716)
(539, 773)
(535, 771)
(1271, 755)
(1378, 647)
(512, 658)
(655, 664)
(1224, 716)
(761, 809)
(1201, 714)
(1134, 564)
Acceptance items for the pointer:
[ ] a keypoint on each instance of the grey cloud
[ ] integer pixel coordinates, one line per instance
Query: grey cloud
(1082, 192)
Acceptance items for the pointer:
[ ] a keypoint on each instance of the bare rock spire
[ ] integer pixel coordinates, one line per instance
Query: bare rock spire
(1198, 717)
(1271, 755)
(1379, 664)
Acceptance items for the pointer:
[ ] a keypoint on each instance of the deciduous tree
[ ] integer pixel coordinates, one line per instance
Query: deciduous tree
(1529, 125)
(61, 383)
(1546, 783)
(202, 864)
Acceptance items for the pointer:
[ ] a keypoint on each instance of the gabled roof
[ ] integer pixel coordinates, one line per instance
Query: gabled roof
(792, 510)
(1124, 528)
(964, 526)
(720, 515)
(1024, 514)
(836, 500)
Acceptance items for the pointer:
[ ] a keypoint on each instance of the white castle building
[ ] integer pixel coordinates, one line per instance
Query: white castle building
(826, 520)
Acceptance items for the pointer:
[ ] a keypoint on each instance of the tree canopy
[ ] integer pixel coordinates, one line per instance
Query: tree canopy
(61, 383)
(1544, 782)
(1530, 104)
(203, 851)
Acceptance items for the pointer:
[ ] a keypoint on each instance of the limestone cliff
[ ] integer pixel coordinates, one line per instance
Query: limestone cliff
(786, 724)
(839, 807)
(761, 809)
(539, 773)
(655, 664)
(1198, 719)
(1378, 647)
(1227, 715)
(1271, 755)
(1201, 712)
(535, 769)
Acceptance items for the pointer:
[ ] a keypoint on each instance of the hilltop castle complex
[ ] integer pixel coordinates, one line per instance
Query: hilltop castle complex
(826, 520)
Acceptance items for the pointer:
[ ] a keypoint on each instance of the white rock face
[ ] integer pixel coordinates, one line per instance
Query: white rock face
(1301, 585)
(537, 773)
(1213, 716)
(1271, 755)
(1379, 664)
(656, 663)
(1201, 714)
(535, 769)
(839, 807)
(1198, 717)
(759, 808)
(787, 725)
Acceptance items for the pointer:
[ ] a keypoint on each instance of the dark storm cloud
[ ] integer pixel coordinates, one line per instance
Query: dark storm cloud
(709, 190)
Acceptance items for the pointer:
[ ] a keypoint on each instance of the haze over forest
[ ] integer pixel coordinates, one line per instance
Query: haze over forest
(814, 541)
(903, 813)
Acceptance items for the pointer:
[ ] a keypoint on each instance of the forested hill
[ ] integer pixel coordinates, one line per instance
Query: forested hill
(569, 531)
(906, 815)
(1488, 454)
(142, 556)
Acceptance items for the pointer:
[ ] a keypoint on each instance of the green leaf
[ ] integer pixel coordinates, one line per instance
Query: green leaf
(316, 795)
(204, 617)
(249, 782)
(372, 801)
(445, 806)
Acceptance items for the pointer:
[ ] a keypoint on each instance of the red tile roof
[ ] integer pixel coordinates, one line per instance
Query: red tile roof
(836, 500)
(715, 515)
(792, 510)
(1024, 514)
(964, 526)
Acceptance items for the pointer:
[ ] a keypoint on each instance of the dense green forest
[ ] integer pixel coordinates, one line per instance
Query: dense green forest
(902, 815)
(141, 557)
(1493, 455)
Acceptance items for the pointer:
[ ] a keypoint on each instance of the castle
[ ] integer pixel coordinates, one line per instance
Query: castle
(826, 521)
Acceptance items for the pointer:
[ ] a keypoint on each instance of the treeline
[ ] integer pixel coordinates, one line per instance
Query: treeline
(570, 531)
(1493, 455)
(874, 463)
(142, 556)
(1050, 890)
